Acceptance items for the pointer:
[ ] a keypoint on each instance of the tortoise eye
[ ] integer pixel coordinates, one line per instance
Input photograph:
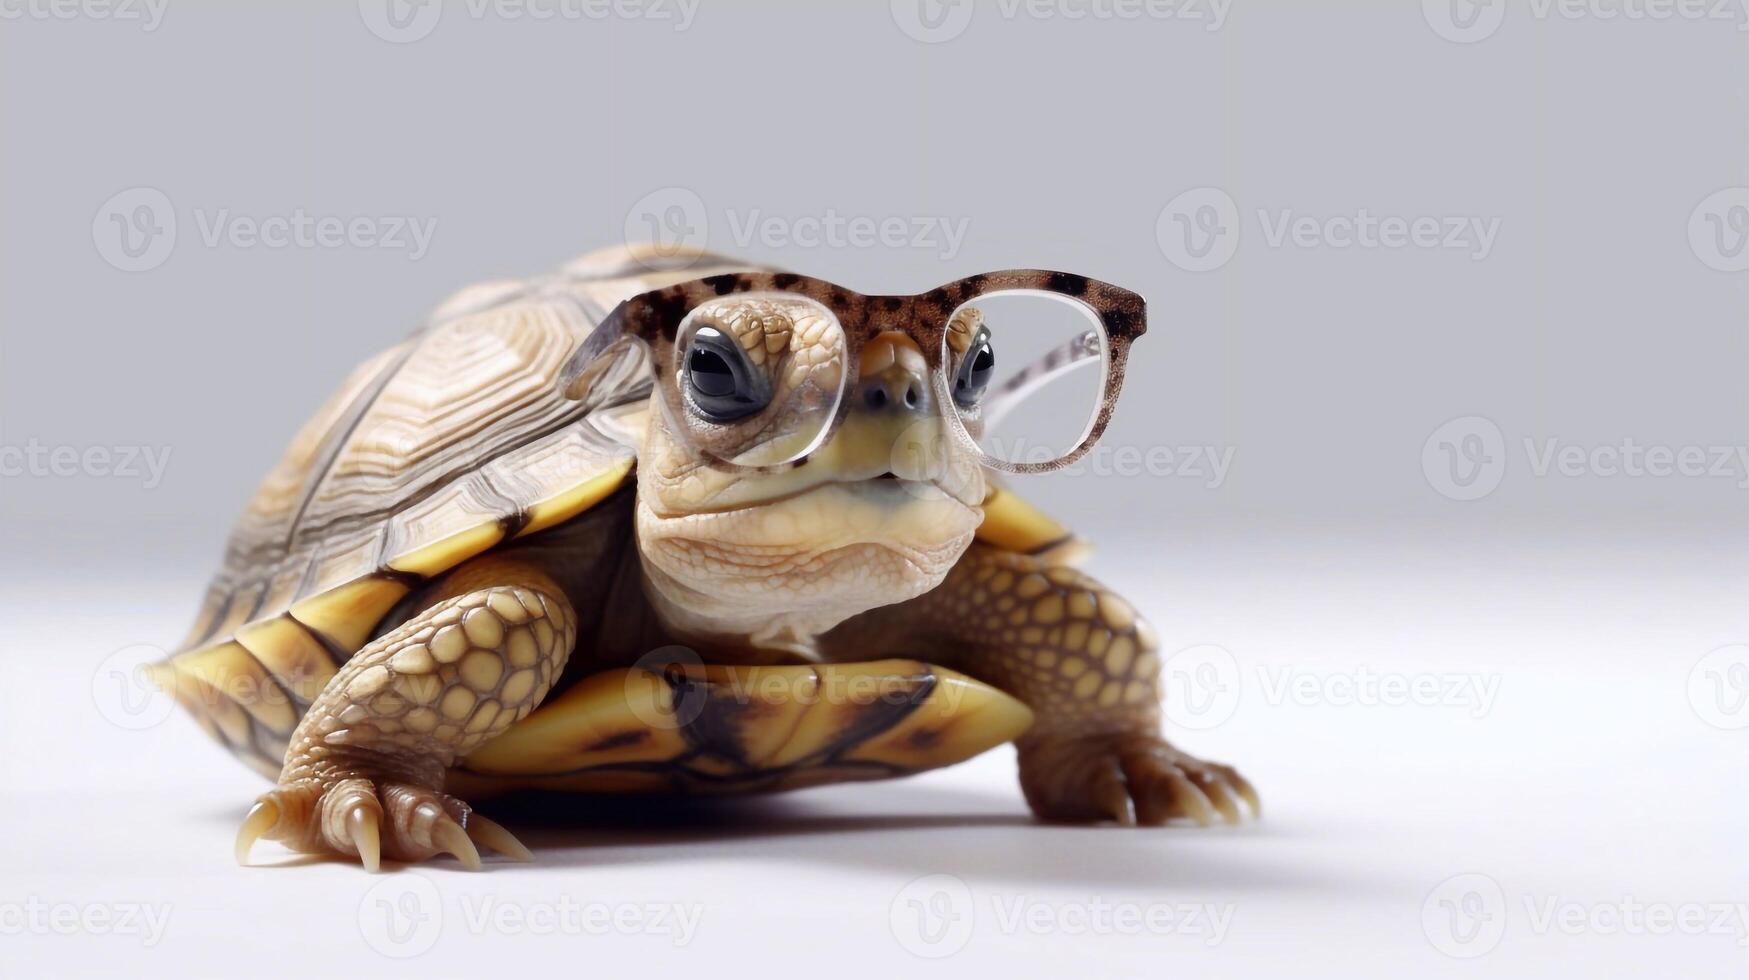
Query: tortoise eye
(721, 383)
(976, 370)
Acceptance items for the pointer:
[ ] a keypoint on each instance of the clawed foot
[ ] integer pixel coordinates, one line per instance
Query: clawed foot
(1129, 779)
(371, 821)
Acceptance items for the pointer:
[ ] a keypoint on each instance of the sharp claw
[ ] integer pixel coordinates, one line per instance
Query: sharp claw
(449, 836)
(1223, 801)
(494, 836)
(1192, 799)
(361, 826)
(262, 816)
(1246, 792)
(1114, 798)
(1154, 797)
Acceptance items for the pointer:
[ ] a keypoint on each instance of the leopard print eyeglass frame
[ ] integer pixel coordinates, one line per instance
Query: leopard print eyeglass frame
(930, 319)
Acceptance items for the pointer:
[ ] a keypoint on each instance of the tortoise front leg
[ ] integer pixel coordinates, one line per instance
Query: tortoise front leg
(365, 769)
(1088, 666)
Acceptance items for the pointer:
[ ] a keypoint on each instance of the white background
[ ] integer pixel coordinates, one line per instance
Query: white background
(1608, 152)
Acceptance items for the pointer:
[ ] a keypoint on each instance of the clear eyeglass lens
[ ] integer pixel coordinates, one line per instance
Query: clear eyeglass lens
(1027, 371)
(758, 377)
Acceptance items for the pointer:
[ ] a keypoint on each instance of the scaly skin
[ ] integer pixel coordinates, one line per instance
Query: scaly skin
(364, 773)
(1087, 665)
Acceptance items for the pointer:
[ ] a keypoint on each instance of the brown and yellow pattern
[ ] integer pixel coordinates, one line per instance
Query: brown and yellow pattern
(443, 585)
(722, 729)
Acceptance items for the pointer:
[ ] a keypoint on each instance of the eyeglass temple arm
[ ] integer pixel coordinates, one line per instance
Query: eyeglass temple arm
(1077, 353)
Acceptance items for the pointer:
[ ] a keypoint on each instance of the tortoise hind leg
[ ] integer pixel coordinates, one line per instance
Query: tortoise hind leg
(364, 773)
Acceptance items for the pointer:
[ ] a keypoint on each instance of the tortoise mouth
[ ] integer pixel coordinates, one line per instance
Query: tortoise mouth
(886, 487)
(837, 512)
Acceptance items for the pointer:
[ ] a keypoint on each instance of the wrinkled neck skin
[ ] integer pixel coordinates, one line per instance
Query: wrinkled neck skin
(774, 578)
(721, 597)
(712, 625)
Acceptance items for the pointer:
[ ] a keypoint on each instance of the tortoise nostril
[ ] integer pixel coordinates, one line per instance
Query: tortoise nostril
(894, 393)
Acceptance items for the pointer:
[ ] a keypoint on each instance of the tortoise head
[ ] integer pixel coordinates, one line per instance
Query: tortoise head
(789, 479)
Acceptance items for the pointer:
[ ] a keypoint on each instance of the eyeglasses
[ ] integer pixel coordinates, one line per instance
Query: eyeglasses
(753, 368)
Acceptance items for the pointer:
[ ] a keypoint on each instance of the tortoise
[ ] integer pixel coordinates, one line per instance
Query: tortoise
(665, 523)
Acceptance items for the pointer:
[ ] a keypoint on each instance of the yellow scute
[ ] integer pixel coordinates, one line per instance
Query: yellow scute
(723, 728)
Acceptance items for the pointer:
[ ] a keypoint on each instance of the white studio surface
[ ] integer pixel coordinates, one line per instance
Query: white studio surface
(1546, 744)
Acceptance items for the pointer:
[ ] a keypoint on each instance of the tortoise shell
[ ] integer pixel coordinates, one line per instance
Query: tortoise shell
(461, 439)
